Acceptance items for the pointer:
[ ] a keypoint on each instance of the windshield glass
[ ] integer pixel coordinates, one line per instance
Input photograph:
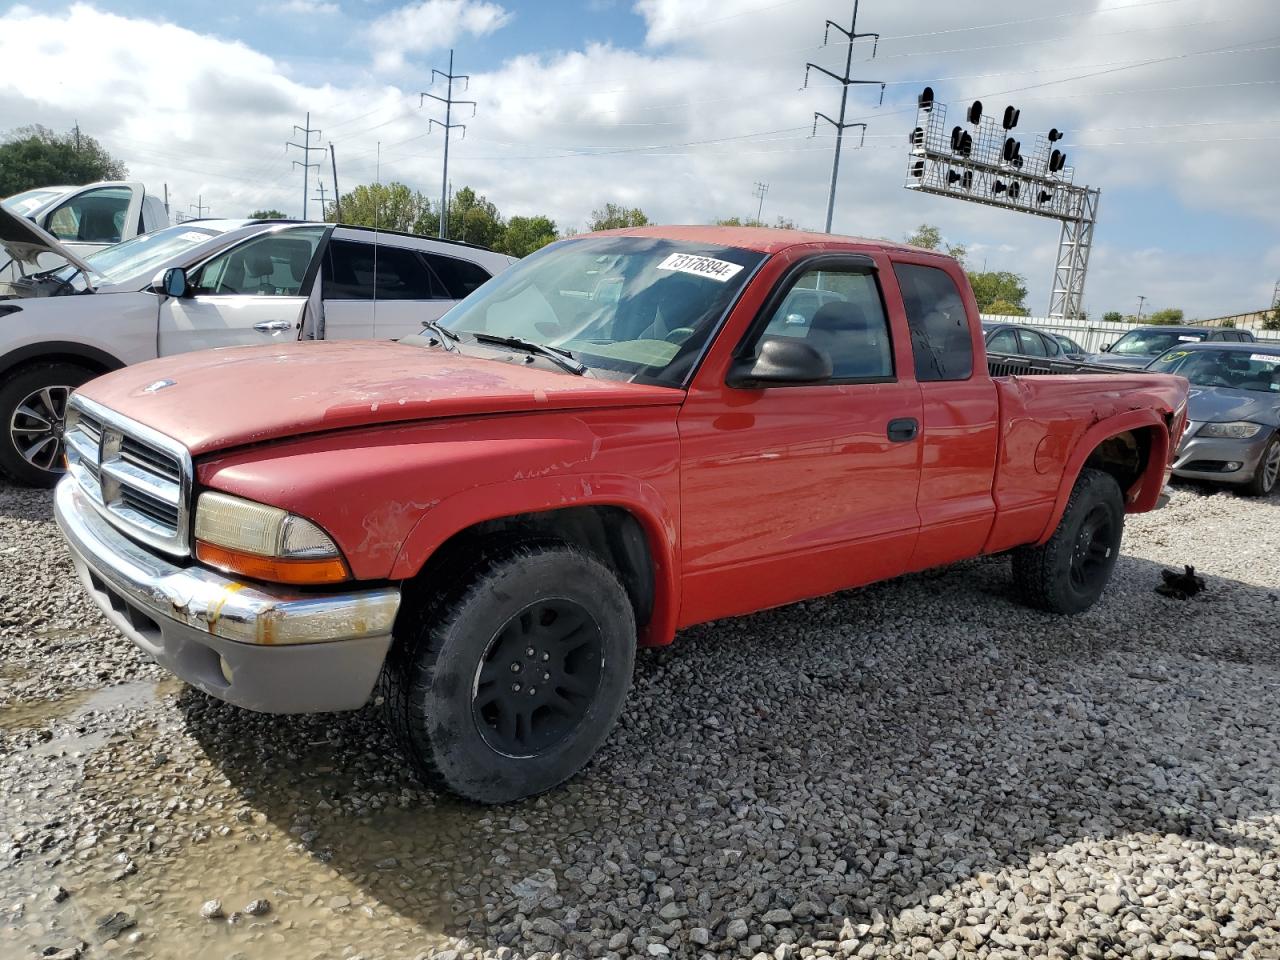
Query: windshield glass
(141, 254)
(1223, 368)
(1152, 343)
(23, 203)
(633, 308)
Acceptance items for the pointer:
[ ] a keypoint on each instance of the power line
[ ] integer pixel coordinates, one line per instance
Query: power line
(448, 127)
(845, 82)
(305, 163)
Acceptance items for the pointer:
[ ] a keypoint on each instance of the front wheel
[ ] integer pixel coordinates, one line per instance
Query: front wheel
(33, 407)
(1263, 481)
(506, 683)
(1068, 573)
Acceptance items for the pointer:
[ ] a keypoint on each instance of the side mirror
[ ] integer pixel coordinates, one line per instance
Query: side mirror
(780, 361)
(171, 282)
(1106, 348)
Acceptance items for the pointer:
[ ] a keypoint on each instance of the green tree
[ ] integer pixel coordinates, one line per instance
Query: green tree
(35, 156)
(1003, 308)
(1113, 316)
(614, 216)
(1271, 321)
(1000, 287)
(1166, 317)
(272, 214)
(730, 222)
(930, 238)
(527, 234)
(389, 206)
(472, 218)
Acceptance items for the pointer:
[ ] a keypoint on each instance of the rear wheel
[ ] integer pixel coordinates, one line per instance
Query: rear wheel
(1265, 477)
(1068, 573)
(33, 407)
(507, 682)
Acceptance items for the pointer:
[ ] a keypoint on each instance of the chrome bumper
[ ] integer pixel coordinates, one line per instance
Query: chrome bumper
(266, 648)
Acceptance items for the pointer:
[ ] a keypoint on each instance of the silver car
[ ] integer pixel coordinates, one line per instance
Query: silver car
(1233, 414)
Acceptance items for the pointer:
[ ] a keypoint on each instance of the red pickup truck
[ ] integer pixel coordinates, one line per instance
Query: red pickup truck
(622, 435)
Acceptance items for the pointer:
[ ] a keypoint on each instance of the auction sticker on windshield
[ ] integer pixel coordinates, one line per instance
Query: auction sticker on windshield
(1191, 339)
(719, 270)
(1264, 357)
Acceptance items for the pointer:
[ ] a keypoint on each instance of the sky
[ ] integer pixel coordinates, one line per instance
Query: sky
(680, 107)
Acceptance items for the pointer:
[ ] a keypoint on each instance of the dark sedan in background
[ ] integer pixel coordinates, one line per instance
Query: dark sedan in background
(1140, 346)
(1016, 340)
(1233, 413)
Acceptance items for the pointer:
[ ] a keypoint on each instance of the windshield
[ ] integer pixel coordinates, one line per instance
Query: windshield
(1223, 368)
(29, 200)
(633, 308)
(142, 254)
(1152, 343)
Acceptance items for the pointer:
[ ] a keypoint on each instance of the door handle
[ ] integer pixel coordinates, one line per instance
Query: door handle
(273, 326)
(904, 429)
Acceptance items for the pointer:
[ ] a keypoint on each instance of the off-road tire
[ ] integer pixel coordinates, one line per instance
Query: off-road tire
(433, 670)
(1258, 485)
(1043, 575)
(16, 388)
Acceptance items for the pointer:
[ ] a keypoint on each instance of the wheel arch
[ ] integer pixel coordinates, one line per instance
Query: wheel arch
(1133, 448)
(632, 534)
(59, 351)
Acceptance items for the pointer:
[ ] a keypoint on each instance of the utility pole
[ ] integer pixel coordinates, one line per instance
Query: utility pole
(321, 198)
(200, 206)
(447, 126)
(760, 190)
(166, 199)
(1141, 301)
(845, 81)
(305, 163)
(337, 197)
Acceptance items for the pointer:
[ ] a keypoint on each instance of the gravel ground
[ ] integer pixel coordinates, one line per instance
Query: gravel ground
(919, 769)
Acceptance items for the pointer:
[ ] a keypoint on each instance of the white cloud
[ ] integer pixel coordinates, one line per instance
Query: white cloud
(308, 7)
(429, 25)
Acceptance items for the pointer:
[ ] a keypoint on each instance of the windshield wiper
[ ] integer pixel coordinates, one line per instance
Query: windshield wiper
(444, 333)
(557, 355)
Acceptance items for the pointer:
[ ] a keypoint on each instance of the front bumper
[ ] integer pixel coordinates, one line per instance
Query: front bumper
(1206, 458)
(262, 647)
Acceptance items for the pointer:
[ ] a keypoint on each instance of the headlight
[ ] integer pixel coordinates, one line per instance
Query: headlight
(1237, 430)
(265, 543)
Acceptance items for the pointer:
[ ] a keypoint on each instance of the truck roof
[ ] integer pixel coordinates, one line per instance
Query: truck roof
(759, 239)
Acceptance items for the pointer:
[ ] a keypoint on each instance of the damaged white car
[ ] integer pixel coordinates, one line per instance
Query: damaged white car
(208, 283)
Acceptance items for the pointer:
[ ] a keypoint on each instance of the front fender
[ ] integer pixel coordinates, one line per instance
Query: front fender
(495, 501)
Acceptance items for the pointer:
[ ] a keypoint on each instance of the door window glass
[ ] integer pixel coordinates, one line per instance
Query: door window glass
(274, 265)
(1006, 341)
(839, 313)
(94, 217)
(461, 277)
(357, 271)
(1032, 345)
(940, 339)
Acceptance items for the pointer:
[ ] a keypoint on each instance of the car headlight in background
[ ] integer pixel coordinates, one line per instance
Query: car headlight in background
(265, 543)
(1236, 430)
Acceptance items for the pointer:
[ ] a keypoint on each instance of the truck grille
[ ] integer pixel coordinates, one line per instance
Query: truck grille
(139, 479)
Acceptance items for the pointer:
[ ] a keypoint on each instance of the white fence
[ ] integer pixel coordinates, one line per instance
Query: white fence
(1094, 336)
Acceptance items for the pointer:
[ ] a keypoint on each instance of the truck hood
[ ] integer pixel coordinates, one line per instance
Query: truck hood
(23, 241)
(1224, 405)
(217, 399)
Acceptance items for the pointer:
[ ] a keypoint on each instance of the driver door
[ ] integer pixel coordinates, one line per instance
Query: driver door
(253, 293)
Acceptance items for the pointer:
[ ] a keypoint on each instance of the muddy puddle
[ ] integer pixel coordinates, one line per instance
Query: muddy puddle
(314, 815)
